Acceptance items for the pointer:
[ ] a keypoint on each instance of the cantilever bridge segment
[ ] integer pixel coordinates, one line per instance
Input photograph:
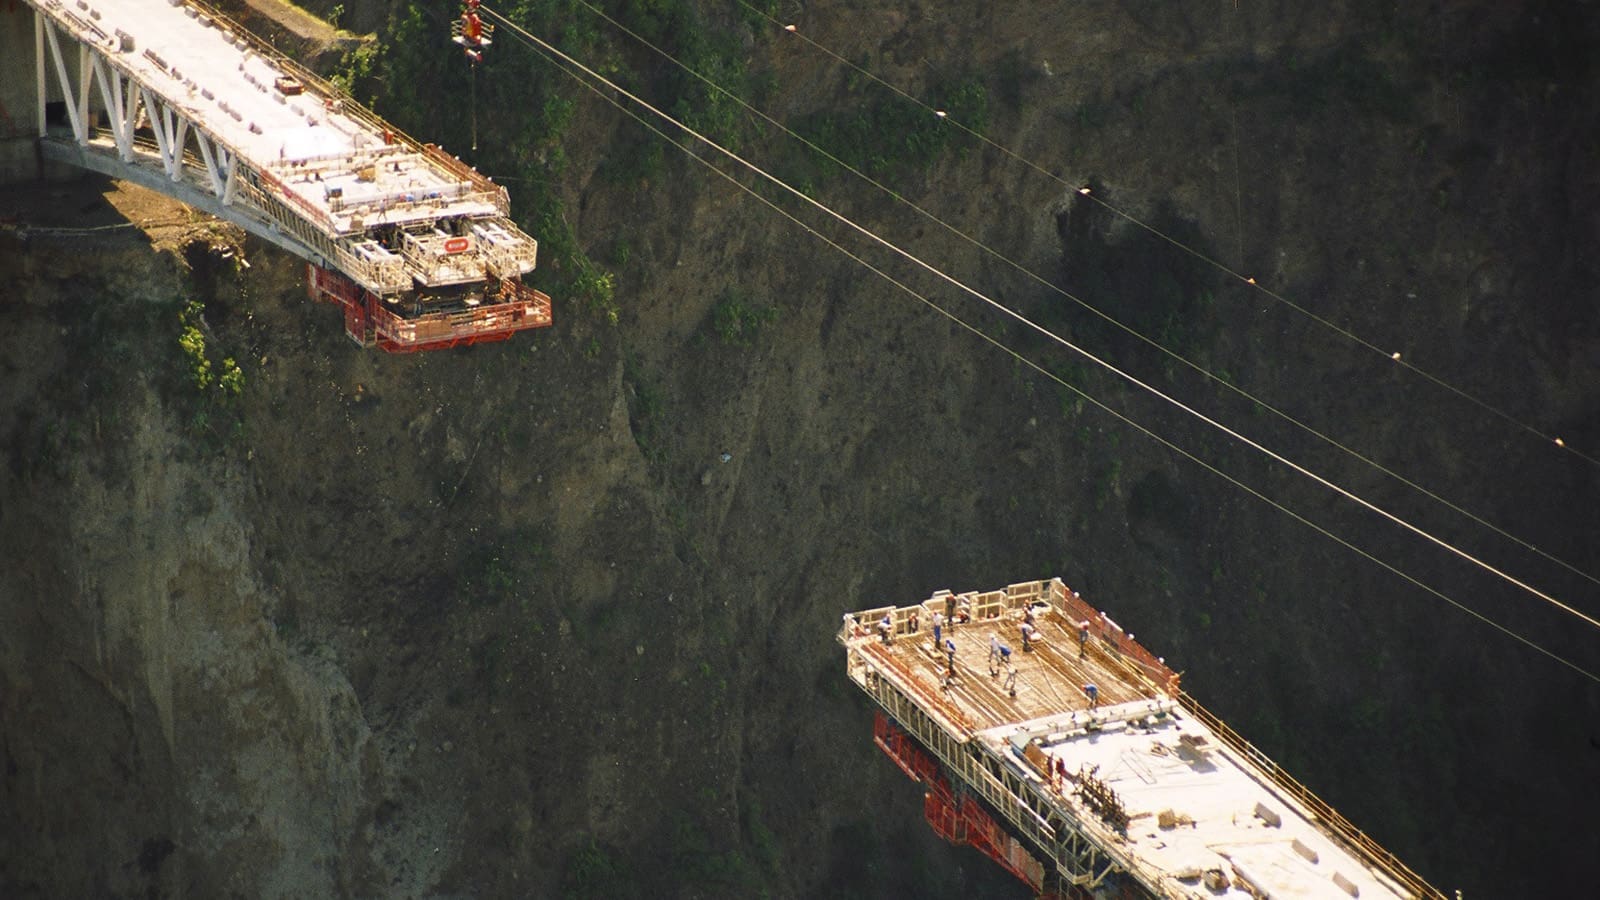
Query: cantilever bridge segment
(1079, 765)
(416, 247)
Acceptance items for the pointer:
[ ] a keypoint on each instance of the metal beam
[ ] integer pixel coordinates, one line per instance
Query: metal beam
(120, 107)
(171, 130)
(157, 124)
(67, 94)
(130, 120)
(148, 176)
(85, 55)
(230, 182)
(38, 66)
(213, 170)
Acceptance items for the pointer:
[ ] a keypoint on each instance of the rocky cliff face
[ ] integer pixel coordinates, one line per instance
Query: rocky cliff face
(556, 616)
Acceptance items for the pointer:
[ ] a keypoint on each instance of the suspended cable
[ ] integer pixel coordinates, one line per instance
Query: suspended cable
(1025, 361)
(1034, 276)
(1024, 320)
(1192, 251)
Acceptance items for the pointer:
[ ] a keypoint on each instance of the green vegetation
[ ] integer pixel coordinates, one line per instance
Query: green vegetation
(357, 68)
(761, 839)
(593, 873)
(1167, 297)
(633, 163)
(1107, 485)
(487, 577)
(214, 384)
(489, 657)
(523, 108)
(227, 377)
(505, 569)
(520, 111)
(891, 136)
(1347, 74)
(646, 411)
(737, 320)
(698, 860)
(1013, 76)
(526, 107)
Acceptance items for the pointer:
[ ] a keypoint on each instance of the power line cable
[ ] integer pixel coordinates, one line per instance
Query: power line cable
(1349, 335)
(547, 50)
(1024, 320)
(996, 254)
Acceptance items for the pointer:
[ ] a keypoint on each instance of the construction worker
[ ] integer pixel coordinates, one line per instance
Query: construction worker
(1083, 638)
(1029, 635)
(999, 656)
(1011, 676)
(886, 628)
(938, 629)
(1093, 694)
(950, 658)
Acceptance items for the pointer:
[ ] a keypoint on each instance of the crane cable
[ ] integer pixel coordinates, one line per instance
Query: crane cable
(1024, 320)
(1085, 192)
(1025, 361)
(1192, 251)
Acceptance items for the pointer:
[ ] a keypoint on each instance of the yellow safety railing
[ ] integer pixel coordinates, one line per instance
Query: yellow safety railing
(1330, 818)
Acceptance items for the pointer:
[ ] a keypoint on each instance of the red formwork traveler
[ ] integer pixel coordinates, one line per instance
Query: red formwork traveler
(505, 308)
(959, 818)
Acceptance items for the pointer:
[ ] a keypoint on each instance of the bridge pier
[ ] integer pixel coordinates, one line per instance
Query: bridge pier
(23, 116)
(19, 99)
(20, 112)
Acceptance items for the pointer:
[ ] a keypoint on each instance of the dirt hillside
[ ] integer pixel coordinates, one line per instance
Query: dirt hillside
(554, 617)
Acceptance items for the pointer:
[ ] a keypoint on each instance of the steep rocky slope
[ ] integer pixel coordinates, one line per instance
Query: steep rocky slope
(503, 622)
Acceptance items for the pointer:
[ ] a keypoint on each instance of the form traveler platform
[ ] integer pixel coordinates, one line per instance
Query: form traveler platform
(1091, 773)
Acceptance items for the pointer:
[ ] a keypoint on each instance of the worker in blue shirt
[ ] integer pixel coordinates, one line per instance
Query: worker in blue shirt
(1094, 695)
(999, 656)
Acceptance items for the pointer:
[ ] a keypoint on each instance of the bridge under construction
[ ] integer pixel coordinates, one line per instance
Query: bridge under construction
(416, 247)
(1074, 760)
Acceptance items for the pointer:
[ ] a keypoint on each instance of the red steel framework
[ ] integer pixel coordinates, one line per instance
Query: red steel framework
(960, 818)
(511, 308)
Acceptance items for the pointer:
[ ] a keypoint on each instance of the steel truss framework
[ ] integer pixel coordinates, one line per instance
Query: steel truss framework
(436, 289)
(208, 177)
(1080, 863)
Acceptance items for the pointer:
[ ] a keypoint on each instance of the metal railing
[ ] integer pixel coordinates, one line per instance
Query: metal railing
(347, 105)
(488, 322)
(1336, 824)
(928, 697)
(1078, 856)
